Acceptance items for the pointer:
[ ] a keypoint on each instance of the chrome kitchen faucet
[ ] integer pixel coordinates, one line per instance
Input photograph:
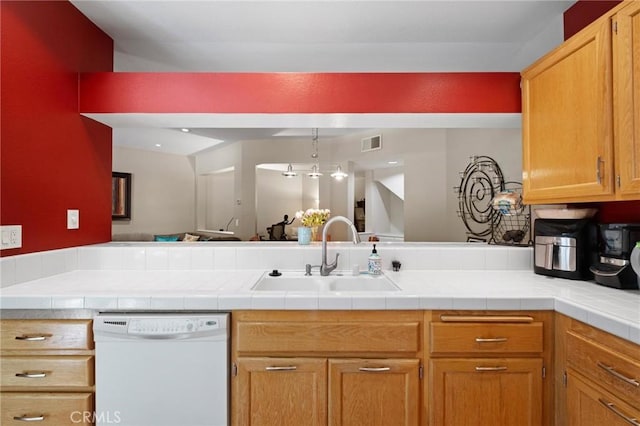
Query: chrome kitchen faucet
(325, 268)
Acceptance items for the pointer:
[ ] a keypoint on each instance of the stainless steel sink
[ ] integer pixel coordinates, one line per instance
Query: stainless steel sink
(297, 281)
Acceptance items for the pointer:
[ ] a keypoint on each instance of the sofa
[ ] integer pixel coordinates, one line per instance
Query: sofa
(180, 236)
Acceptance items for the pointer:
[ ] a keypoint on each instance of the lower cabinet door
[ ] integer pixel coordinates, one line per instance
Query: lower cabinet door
(496, 392)
(588, 405)
(374, 392)
(57, 409)
(280, 391)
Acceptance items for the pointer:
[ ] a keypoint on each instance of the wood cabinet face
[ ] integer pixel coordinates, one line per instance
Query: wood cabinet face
(627, 100)
(382, 392)
(467, 392)
(280, 391)
(568, 121)
(581, 114)
(45, 334)
(60, 409)
(588, 406)
(46, 372)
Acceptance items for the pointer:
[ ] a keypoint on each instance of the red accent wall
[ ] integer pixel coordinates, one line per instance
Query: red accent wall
(300, 92)
(578, 16)
(52, 159)
(584, 12)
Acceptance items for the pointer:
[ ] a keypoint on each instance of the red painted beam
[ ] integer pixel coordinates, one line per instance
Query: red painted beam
(302, 93)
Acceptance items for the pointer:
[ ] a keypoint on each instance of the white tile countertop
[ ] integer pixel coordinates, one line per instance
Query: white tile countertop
(489, 282)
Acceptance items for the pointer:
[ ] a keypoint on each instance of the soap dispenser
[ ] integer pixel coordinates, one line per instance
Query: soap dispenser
(375, 262)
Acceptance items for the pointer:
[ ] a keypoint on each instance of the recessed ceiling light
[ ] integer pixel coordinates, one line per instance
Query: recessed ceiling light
(184, 129)
(158, 145)
(392, 162)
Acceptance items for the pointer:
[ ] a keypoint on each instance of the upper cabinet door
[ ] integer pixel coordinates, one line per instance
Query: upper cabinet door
(567, 123)
(626, 80)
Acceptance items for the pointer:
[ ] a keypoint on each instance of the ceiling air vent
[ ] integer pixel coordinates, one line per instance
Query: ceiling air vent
(371, 143)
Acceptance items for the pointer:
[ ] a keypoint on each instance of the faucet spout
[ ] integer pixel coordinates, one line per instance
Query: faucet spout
(326, 268)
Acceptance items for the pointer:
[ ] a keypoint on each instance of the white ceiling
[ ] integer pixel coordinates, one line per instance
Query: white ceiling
(320, 36)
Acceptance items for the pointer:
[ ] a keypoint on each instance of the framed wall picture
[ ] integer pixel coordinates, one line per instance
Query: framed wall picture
(120, 196)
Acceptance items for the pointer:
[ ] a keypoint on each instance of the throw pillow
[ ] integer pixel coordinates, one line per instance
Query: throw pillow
(165, 238)
(188, 238)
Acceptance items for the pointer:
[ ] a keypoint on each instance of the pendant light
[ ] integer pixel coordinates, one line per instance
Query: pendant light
(314, 173)
(289, 173)
(339, 174)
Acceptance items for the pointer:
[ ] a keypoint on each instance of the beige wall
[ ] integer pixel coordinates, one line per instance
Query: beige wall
(163, 191)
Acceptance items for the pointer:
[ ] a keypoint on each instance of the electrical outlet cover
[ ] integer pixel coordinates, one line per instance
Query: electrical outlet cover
(11, 236)
(73, 219)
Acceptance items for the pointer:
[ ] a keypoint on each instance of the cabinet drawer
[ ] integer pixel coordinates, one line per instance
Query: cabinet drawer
(46, 371)
(486, 338)
(45, 334)
(57, 409)
(284, 337)
(614, 371)
(590, 405)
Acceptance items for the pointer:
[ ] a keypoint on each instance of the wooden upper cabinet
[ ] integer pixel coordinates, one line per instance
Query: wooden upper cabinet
(626, 42)
(567, 121)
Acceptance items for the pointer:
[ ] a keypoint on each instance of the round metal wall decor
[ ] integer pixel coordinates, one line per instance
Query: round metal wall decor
(480, 181)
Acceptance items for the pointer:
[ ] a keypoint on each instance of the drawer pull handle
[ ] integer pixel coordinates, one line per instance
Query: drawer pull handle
(490, 339)
(38, 375)
(614, 373)
(374, 369)
(499, 368)
(26, 418)
(486, 318)
(611, 406)
(282, 368)
(32, 338)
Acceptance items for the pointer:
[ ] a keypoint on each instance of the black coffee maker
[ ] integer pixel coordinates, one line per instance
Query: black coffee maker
(615, 243)
(564, 248)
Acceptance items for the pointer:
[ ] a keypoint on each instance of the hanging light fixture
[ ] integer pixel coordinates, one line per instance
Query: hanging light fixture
(314, 173)
(289, 173)
(339, 174)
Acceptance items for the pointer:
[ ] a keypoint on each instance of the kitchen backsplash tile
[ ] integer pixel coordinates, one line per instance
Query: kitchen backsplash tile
(134, 258)
(28, 267)
(202, 257)
(7, 271)
(179, 258)
(260, 256)
(54, 262)
(157, 258)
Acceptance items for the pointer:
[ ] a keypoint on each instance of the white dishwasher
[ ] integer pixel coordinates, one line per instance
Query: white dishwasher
(167, 369)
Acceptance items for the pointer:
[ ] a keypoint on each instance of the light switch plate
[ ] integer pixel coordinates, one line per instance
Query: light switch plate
(73, 219)
(11, 236)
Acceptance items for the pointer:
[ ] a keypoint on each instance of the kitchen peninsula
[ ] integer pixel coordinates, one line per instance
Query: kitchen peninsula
(437, 282)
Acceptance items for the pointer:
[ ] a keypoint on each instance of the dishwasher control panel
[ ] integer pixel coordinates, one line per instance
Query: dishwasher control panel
(160, 326)
(149, 326)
